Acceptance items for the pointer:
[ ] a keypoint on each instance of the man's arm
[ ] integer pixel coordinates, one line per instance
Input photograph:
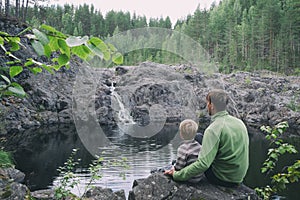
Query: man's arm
(206, 157)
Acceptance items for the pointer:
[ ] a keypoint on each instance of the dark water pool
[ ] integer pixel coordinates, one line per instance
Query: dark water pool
(38, 153)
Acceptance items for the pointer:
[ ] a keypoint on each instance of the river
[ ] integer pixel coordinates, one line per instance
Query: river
(38, 153)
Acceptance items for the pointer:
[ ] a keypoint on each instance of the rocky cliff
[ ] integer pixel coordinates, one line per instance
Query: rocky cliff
(260, 98)
(148, 92)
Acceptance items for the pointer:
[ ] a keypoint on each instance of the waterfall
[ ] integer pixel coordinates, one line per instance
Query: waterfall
(117, 105)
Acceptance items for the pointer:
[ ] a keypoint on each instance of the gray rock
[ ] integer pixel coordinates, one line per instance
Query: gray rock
(12, 174)
(158, 187)
(99, 193)
(47, 194)
(13, 191)
(10, 188)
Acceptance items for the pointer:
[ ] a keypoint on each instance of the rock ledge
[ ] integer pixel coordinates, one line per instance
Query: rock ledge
(159, 187)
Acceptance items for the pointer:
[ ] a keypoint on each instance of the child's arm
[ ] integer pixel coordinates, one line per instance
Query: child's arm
(181, 158)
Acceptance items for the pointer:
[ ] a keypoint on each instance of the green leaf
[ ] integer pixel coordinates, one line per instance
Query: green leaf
(48, 28)
(47, 51)
(1, 40)
(63, 59)
(53, 30)
(15, 39)
(54, 59)
(14, 46)
(16, 89)
(37, 70)
(106, 55)
(24, 31)
(13, 62)
(73, 41)
(38, 47)
(48, 68)
(95, 50)
(99, 44)
(53, 44)
(4, 33)
(112, 47)
(28, 63)
(281, 150)
(5, 78)
(117, 58)
(63, 47)
(81, 51)
(56, 67)
(41, 36)
(274, 156)
(15, 70)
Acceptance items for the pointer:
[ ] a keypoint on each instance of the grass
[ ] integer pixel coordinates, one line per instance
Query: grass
(5, 159)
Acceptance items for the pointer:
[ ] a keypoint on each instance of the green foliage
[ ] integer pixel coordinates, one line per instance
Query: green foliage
(248, 81)
(69, 179)
(5, 159)
(57, 47)
(289, 174)
(294, 104)
(8, 88)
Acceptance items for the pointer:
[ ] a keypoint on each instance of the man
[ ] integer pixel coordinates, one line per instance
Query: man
(224, 156)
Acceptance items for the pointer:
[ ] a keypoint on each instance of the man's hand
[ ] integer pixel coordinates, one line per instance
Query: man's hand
(170, 172)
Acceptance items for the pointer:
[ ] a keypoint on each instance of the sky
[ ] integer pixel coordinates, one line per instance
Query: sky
(150, 8)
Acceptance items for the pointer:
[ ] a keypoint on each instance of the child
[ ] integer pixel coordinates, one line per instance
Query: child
(188, 151)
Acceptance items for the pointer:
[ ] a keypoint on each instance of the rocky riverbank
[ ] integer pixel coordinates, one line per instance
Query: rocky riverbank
(155, 187)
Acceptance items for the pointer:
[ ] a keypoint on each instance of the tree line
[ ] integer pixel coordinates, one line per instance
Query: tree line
(237, 34)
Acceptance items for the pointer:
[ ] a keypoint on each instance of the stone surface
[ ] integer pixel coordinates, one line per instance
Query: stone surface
(155, 187)
(158, 187)
(12, 174)
(10, 188)
(105, 194)
(47, 194)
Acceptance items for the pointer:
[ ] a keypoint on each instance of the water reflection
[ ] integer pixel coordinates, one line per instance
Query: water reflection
(38, 153)
(258, 153)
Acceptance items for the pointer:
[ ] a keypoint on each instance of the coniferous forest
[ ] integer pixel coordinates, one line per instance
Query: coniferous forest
(238, 34)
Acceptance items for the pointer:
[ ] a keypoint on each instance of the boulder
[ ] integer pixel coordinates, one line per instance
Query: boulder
(96, 193)
(158, 187)
(10, 186)
(46, 194)
(99, 193)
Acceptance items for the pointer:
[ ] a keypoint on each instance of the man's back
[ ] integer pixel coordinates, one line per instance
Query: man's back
(231, 161)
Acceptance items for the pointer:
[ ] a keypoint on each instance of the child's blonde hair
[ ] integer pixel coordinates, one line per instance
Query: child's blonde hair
(188, 129)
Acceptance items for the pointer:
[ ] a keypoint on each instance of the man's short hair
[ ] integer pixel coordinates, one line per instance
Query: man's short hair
(188, 129)
(219, 98)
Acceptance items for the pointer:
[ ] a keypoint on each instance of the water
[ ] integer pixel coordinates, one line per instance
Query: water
(123, 113)
(40, 152)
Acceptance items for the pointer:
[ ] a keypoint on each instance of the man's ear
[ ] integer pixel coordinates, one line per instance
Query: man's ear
(210, 105)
